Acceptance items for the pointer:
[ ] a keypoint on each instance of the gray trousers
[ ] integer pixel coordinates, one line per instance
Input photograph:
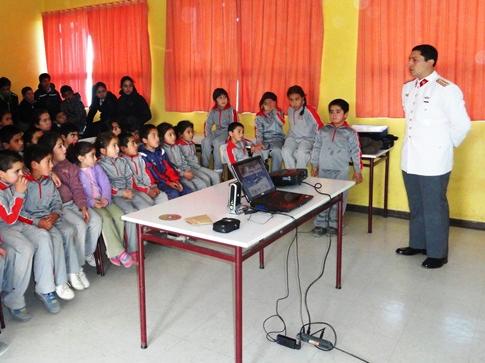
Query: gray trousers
(430, 216)
(65, 253)
(209, 176)
(209, 142)
(328, 218)
(26, 239)
(296, 153)
(87, 234)
(194, 184)
(140, 200)
(274, 148)
(16, 270)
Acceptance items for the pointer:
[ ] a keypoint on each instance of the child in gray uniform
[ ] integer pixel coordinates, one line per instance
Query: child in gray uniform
(304, 123)
(166, 132)
(185, 133)
(269, 129)
(220, 116)
(336, 144)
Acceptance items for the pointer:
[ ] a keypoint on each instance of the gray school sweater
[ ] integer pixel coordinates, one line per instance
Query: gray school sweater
(119, 173)
(42, 198)
(176, 157)
(335, 147)
(220, 119)
(304, 127)
(189, 152)
(269, 127)
(11, 204)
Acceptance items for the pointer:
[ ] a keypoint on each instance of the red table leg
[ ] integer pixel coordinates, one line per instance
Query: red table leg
(340, 209)
(386, 183)
(238, 310)
(141, 288)
(371, 196)
(261, 258)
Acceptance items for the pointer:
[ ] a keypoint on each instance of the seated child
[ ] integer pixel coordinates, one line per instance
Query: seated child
(69, 134)
(42, 120)
(3, 267)
(221, 116)
(5, 118)
(185, 132)
(121, 178)
(237, 146)
(74, 203)
(12, 139)
(60, 120)
(269, 129)
(26, 110)
(304, 123)
(73, 107)
(32, 136)
(141, 180)
(166, 133)
(335, 145)
(25, 238)
(97, 190)
(114, 127)
(159, 169)
(43, 209)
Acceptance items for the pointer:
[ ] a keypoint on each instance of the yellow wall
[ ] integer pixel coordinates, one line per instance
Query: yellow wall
(22, 63)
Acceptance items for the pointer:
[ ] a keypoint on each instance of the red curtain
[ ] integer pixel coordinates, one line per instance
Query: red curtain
(281, 45)
(65, 38)
(389, 29)
(119, 33)
(201, 53)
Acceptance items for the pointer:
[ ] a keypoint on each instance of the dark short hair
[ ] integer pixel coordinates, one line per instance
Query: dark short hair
(8, 158)
(25, 90)
(344, 105)
(163, 129)
(219, 92)
(182, 126)
(38, 113)
(428, 52)
(43, 76)
(65, 89)
(35, 152)
(49, 139)
(4, 112)
(103, 140)
(29, 134)
(67, 128)
(8, 132)
(232, 126)
(79, 149)
(124, 138)
(4, 82)
(145, 130)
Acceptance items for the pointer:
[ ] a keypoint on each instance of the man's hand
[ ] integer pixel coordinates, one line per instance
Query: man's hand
(188, 174)
(45, 223)
(56, 180)
(314, 171)
(357, 177)
(21, 184)
(85, 214)
(127, 194)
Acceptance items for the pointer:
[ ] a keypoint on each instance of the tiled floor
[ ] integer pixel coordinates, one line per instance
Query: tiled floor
(389, 309)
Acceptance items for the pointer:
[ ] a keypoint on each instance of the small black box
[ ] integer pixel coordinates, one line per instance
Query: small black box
(226, 225)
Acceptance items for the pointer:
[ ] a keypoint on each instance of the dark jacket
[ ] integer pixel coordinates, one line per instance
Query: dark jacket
(75, 112)
(49, 100)
(10, 104)
(108, 108)
(133, 111)
(25, 115)
(158, 167)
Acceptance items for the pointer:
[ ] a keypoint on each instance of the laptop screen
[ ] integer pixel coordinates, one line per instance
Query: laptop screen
(254, 177)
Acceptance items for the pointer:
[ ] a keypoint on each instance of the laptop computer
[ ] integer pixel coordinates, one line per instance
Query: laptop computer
(260, 191)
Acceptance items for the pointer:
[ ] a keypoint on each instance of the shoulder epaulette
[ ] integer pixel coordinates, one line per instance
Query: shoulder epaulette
(442, 82)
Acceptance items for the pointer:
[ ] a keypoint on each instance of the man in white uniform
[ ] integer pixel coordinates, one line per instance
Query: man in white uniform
(436, 123)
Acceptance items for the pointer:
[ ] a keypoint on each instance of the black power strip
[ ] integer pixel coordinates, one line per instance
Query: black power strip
(288, 342)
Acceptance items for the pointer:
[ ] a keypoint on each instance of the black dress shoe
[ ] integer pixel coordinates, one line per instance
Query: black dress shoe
(434, 262)
(409, 251)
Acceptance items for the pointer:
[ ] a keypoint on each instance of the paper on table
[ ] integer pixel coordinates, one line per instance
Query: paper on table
(201, 219)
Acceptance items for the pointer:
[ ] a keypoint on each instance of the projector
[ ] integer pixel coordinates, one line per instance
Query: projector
(285, 177)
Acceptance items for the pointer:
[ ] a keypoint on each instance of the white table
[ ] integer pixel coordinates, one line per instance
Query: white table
(248, 240)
